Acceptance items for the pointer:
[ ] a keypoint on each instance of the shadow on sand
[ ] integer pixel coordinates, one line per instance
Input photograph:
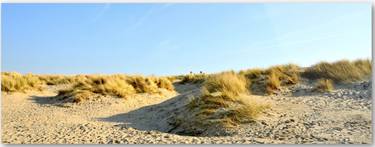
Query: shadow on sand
(186, 87)
(152, 117)
(48, 100)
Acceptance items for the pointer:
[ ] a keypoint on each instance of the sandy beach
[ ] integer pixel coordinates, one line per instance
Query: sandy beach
(342, 116)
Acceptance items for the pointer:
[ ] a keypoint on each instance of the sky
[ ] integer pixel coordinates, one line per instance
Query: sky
(172, 38)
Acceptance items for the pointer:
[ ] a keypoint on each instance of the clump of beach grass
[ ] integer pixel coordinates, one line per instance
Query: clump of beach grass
(15, 82)
(342, 71)
(273, 83)
(57, 79)
(224, 103)
(103, 85)
(193, 78)
(165, 83)
(271, 80)
(143, 85)
(228, 83)
(324, 85)
(287, 74)
(114, 85)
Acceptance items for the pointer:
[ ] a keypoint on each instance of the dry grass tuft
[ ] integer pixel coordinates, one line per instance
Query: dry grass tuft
(193, 78)
(75, 96)
(341, 71)
(250, 110)
(143, 85)
(273, 83)
(324, 85)
(15, 82)
(165, 83)
(252, 74)
(270, 80)
(114, 85)
(288, 74)
(228, 83)
(224, 103)
(57, 79)
(104, 85)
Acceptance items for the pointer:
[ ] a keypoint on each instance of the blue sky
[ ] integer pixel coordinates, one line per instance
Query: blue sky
(168, 39)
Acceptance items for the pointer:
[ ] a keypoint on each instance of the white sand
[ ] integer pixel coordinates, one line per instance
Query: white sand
(320, 118)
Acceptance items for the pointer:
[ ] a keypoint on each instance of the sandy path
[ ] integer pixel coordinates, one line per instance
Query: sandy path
(35, 118)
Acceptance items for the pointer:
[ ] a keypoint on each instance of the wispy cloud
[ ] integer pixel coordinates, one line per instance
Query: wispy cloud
(295, 38)
(102, 11)
(148, 14)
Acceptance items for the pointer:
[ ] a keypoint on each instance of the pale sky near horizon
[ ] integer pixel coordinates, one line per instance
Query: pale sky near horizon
(171, 39)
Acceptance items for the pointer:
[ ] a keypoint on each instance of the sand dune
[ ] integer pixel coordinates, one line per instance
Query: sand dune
(38, 118)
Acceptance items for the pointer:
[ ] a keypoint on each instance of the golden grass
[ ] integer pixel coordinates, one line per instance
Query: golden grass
(86, 85)
(273, 83)
(288, 74)
(105, 85)
(249, 110)
(143, 85)
(115, 85)
(268, 80)
(324, 85)
(224, 103)
(252, 73)
(228, 83)
(210, 112)
(165, 83)
(76, 96)
(193, 78)
(57, 79)
(15, 82)
(341, 71)
(271, 79)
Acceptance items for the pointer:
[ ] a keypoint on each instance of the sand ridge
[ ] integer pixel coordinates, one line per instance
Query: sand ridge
(37, 118)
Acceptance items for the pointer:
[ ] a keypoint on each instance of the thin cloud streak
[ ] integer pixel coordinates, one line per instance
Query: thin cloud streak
(104, 9)
(149, 13)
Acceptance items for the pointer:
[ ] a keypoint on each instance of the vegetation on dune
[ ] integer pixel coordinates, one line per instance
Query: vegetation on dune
(288, 74)
(341, 71)
(15, 82)
(254, 73)
(273, 83)
(257, 80)
(116, 85)
(224, 103)
(85, 86)
(144, 85)
(75, 96)
(193, 78)
(228, 83)
(57, 79)
(324, 85)
(272, 79)
(165, 83)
